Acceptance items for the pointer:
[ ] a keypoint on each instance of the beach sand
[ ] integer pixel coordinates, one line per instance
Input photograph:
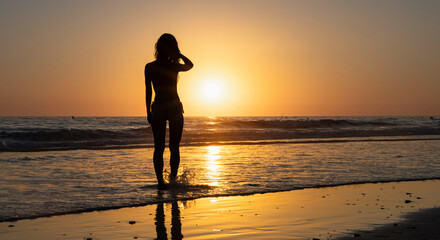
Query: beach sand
(396, 210)
(417, 225)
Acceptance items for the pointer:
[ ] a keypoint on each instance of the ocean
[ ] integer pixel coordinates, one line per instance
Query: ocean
(58, 165)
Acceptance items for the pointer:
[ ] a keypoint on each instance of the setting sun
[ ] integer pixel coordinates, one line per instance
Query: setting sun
(212, 90)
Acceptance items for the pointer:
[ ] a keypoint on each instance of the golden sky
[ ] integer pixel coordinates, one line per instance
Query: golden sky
(265, 58)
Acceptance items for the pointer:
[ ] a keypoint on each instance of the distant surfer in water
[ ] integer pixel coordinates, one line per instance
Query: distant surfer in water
(161, 75)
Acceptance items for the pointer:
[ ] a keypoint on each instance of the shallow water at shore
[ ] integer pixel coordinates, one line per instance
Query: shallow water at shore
(316, 213)
(52, 182)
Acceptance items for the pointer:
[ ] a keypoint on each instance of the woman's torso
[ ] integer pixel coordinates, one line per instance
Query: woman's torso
(164, 79)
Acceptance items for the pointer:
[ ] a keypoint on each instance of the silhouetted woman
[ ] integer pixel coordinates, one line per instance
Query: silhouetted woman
(163, 73)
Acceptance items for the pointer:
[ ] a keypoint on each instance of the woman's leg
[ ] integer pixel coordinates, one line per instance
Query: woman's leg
(159, 130)
(176, 127)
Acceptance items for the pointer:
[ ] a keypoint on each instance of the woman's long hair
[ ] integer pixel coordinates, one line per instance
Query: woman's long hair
(167, 49)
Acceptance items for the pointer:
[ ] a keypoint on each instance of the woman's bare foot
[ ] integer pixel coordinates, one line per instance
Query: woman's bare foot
(173, 179)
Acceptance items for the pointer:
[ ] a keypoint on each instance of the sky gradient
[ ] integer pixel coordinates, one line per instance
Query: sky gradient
(268, 58)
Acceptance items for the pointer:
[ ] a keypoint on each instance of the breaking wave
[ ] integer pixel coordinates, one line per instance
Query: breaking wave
(119, 132)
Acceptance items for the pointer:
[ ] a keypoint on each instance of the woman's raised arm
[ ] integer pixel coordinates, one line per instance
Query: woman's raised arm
(187, 64)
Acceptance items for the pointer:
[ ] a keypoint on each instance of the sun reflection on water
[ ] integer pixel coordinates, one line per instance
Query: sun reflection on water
(212, 165)
(211, 124)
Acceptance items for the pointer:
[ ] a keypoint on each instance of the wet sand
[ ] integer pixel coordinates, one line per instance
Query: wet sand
(365, 211)
(417, 225)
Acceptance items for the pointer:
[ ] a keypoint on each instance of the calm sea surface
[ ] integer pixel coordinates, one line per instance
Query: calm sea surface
(52, 165)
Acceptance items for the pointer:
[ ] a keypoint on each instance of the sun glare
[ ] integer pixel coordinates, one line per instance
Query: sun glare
(213, 93)
(212, 90)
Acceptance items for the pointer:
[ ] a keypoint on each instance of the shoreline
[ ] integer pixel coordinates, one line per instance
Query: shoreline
(320, 213)
(98, 209)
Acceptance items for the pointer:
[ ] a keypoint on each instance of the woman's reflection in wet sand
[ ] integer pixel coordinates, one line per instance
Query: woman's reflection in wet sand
(176, 224)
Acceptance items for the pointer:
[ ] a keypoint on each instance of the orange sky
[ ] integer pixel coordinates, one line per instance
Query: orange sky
(268, 58)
